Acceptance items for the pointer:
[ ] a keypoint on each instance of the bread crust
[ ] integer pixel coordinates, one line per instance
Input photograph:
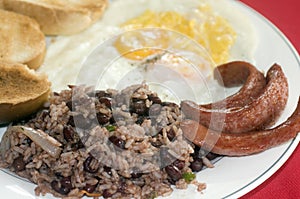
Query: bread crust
(22, 91)
(59, 17)
(22, 40)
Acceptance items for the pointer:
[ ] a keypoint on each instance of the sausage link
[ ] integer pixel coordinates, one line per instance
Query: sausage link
(260, 113)
(242, 144)
(234, 74)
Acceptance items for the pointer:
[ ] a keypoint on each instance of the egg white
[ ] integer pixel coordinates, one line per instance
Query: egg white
(90, 58)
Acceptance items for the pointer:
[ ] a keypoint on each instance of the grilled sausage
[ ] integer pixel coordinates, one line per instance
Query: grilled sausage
(234, 74)
(260, 113)
(241, 144)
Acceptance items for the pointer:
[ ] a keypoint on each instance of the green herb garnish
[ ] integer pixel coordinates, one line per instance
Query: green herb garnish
(110, 128)
(188, 176)
(152, 195)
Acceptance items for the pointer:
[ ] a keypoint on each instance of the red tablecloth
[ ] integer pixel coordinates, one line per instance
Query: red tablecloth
(285, 183)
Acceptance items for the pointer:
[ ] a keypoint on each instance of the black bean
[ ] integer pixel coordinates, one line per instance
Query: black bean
(87, 165)
(136, 174)
(156, 144)
(27, 141)
(69, 133)
(58, 175)
(179, 164)
(154, 99)
(134, 99)
(19, 164)
(90, 188)
(155, 110)
(140, 120)
(55, 186)
(71, 121)
(197, 148)
(196, 165)
(112, 120)
(66, 182)
(171, 181)
(106, 101)
(107, 170)
(117, 141)
(70, 105)
(71, 136)
(173, 172)
(199, 153)
(171, 134)
(64, 190)
(122, 187)
(102, 118)
(107, 193)
(77, 145)
(139, 107)
(59, 188)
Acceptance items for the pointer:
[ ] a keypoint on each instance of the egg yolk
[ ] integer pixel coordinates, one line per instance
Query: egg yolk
(211, 31)
(139, 45)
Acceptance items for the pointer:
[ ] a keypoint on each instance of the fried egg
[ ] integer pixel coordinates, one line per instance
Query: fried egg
(172, 45)
(200, 24)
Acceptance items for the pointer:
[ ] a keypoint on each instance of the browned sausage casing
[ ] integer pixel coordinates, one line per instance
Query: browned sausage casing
(238, 73)
(241, 144)
(260, 113)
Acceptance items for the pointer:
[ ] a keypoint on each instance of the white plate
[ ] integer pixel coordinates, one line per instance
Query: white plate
(231, 177)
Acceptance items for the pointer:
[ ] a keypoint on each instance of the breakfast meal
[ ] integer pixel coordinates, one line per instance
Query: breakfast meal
(27, 45)
(128, 143)
(96, 115)
(59, 16)
(22, 91)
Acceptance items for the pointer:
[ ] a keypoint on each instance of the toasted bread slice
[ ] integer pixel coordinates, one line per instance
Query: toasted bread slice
(22, 91)
(59, 17)
(22, 41)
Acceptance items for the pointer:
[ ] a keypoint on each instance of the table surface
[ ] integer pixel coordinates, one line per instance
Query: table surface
(285, 183)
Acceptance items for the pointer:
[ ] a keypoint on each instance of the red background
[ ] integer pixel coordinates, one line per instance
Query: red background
(285, 183)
